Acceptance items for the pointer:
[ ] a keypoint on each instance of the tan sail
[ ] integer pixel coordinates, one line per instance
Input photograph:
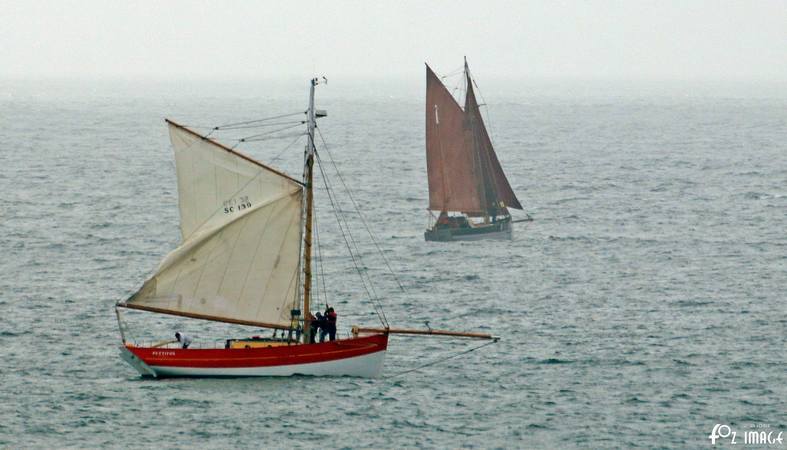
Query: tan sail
(241, 225)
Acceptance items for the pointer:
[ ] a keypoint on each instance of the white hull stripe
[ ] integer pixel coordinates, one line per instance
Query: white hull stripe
(367, 366)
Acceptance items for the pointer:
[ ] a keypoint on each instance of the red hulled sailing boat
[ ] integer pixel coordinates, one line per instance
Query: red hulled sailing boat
(246, 258)
(467, 187)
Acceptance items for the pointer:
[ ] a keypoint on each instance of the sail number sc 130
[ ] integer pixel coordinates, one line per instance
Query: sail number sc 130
(236, 204)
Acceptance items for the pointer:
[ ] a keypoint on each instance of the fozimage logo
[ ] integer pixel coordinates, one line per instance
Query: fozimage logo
(758, 434)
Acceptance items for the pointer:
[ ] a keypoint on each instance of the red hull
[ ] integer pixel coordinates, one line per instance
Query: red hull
(343, 357)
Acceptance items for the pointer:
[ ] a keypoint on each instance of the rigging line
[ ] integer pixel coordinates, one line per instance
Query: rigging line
(456, 71)
(346, 224)
(249, 138)
(459, 92)
(363, 219)
(439, 360)
(243, 127)
(257, 120)
(273, 137)
(316, 260)
(486, 107)
(297, 138)
(356, 257)
(346, 242)
(355, 264)
(262, 125)
(376, 297)
(355, 244)
(320, 260)
(454, 88)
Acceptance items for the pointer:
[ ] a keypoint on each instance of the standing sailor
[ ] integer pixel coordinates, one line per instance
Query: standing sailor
(330, 323)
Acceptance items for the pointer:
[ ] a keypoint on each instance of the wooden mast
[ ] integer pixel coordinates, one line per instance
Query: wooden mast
(308, 176)
(477, 156)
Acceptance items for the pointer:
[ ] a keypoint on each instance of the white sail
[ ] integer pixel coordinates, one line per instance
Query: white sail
(241, 227)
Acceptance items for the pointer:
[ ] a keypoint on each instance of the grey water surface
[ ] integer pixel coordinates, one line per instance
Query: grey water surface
(644, 304)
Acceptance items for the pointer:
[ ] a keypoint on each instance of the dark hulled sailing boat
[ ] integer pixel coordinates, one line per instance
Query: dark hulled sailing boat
(467, 187)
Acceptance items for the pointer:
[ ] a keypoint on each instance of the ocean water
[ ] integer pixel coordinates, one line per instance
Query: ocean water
(644, 304)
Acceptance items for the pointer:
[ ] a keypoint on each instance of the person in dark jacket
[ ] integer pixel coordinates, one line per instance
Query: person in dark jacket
(316, 325)
(330, 323)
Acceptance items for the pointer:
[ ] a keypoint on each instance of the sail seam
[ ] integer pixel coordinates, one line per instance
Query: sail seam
(193, 242)
(212, 238)
(234, 194)
(268, 280)
(256, 253)
(208, 260)
(281, 245)
(232, 253)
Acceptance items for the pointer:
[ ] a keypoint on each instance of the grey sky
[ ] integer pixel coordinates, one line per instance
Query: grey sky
(718, 40)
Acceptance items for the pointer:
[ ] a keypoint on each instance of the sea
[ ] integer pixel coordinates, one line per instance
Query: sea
(643, 307)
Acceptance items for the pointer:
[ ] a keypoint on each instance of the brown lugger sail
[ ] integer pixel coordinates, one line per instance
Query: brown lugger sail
(464, 173)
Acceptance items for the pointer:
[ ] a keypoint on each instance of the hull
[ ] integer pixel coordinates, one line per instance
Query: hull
(501, 230)
(357, 357)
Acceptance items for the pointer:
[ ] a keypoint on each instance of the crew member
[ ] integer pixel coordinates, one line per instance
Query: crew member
(184, 340)
(330, 323)
(314, 326)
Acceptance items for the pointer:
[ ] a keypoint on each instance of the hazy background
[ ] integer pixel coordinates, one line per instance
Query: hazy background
(643, 40)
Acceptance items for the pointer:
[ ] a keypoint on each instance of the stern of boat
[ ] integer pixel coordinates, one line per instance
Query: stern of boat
(438, 235)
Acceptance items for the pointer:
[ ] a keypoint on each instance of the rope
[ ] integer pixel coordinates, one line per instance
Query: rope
(373, 296)
(355, 260)
(238, 125)
(229, 126)
(446, 358)
(262, 125)
(355, 256)
(297, 138)
(254, 137)
(492, 133)
(456, 71)
(358, 209)
(320, 260)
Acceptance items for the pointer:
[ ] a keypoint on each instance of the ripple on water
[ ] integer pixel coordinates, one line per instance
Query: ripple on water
(645, 302)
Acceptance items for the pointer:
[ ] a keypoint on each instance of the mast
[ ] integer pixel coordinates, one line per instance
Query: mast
(494, 189)
(477, 157)
(308, 176)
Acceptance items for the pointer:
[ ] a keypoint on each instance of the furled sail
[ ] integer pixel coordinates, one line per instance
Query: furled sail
(240, 221)
(463, 170)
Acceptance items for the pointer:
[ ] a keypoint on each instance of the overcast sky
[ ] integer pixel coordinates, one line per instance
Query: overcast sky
(690, 39)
